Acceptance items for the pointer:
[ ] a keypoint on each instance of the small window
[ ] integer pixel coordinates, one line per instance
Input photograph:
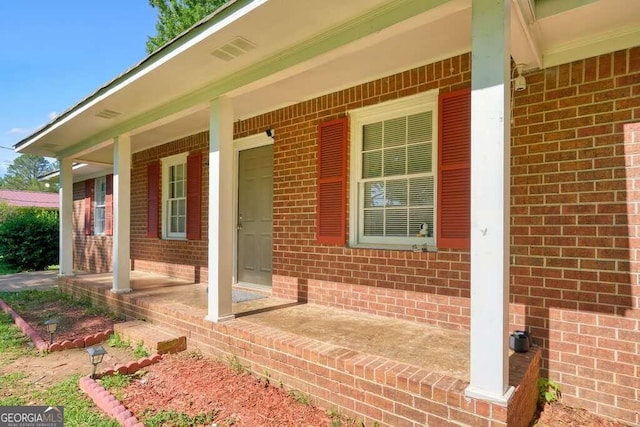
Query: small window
(174, 197)
(393, 166)
(99, 209)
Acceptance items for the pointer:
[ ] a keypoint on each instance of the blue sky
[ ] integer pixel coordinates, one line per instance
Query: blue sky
(54, 53)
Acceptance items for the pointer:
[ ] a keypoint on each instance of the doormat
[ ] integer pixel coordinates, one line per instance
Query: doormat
(242, 296)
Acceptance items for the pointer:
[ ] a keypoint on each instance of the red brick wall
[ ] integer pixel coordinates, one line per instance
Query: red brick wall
(90, 253)
(574, 223)
(575, 220)
(430, 287)
(186, 259)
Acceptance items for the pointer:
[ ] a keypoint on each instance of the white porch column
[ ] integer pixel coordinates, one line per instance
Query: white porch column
(66, 217)
(220, 210)
(490, 191)
(121, 214)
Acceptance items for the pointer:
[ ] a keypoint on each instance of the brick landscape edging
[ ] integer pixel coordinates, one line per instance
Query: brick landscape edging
(41, 344)
(87, 341)
(107, 401)
(26, 328)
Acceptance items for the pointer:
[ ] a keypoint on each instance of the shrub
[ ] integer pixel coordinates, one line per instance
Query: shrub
(29, 239)
(5, 211)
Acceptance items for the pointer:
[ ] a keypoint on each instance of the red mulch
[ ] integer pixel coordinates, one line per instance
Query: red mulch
(559, 415)
(190, 384)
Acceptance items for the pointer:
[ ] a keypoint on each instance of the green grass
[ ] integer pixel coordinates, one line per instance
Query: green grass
(78, 409)
(174, 418)
(116, 383)
(15, 388)
(12, 341)
(6, 269)
(31, 299)
(140, 351)
(116, 341)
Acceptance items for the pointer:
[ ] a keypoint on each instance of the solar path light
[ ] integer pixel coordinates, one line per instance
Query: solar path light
(52, 325)
(96, 353)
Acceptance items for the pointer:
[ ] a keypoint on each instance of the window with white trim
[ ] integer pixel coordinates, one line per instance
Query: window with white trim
(99, 205)
(393, 173)
(174, 197)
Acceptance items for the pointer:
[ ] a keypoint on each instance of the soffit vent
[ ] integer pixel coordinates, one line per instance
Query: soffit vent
(108, 114)
(233, 49)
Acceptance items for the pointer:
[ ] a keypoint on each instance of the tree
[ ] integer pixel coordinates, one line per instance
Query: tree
(176, 16)
(23, 174)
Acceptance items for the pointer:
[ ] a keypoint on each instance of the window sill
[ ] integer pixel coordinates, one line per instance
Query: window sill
(179, 239)
(406, 248)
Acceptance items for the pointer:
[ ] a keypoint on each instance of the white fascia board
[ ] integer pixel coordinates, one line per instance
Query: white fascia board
(618, 39)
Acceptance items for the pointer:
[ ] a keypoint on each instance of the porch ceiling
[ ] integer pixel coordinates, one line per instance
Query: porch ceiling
(303, 49)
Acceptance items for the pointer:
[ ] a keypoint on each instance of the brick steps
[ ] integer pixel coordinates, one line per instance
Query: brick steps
(154, 337)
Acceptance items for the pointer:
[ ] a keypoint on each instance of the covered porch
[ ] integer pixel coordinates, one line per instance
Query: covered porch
(121, 128)
(309, 68)
(376, 368)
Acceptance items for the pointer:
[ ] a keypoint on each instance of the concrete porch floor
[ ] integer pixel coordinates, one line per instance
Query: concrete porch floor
(439, 350)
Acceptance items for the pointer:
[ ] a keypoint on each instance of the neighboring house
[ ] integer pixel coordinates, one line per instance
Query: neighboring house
(24, 199)
(403, 176)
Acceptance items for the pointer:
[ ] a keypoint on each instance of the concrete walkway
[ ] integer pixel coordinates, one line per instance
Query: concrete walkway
(32, 280)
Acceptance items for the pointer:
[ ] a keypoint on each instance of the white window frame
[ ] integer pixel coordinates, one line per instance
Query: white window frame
(168, 162)
(426, 101)
(98, 184)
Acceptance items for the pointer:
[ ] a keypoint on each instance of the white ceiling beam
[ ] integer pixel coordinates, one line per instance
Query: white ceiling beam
(525, 47)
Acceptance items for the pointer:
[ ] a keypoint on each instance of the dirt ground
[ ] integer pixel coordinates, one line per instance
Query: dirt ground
(75, 322)
(45, 371)
(191, 384)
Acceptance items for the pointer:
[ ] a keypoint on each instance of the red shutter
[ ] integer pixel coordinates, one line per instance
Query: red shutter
(454, 170)
(88, 191)
(332, 182)
(194, 196)
(108, 206)
(153, 198)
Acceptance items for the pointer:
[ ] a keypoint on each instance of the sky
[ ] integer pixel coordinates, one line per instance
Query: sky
(55, 53)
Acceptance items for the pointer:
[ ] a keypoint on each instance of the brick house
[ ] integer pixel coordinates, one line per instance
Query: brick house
(440, 183)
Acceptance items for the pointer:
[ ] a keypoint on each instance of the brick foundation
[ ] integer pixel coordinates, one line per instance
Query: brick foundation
(368, 387)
